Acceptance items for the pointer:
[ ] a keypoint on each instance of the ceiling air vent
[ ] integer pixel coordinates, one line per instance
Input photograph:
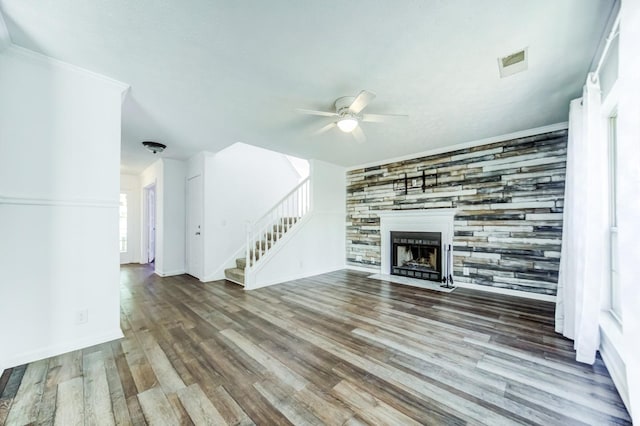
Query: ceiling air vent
(513, 63)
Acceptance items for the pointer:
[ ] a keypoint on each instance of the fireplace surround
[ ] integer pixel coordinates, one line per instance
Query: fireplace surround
(429, 221)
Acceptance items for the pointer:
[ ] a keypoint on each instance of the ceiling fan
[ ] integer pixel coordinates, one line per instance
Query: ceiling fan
(348, 117)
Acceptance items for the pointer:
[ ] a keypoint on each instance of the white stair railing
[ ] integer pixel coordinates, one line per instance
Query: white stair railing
(266, 231)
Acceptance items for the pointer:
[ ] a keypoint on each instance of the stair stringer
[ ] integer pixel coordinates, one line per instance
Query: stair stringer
(250, 273)
(219, 273)
(310, 234)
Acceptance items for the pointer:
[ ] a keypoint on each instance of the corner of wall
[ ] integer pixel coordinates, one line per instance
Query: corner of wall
(66, 223)
(5, 38)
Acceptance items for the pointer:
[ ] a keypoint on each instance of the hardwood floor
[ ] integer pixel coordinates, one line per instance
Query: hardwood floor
(333, 349)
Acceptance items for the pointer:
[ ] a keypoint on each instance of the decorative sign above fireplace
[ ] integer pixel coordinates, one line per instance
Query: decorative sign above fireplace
(417, 255)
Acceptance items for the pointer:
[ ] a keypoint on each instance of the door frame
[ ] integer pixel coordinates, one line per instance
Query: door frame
(147, 212)
(128, 256)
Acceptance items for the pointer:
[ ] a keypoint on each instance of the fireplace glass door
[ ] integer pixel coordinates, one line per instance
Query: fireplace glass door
(417, 255)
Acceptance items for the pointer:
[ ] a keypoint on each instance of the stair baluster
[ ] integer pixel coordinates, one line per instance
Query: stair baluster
(264, 233)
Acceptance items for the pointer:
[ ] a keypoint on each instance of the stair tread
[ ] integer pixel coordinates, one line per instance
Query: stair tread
(266, 243)
(235, 274)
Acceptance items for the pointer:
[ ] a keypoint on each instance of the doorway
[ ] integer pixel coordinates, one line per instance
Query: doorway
(125, 227)
(149, 227)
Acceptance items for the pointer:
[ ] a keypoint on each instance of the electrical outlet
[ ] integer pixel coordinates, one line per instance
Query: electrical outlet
(82, 316)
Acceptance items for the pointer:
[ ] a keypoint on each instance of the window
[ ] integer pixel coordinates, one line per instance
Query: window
(123, 223)
(614, 285)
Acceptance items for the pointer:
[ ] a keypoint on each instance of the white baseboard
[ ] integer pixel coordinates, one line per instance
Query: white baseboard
(213, 277)
(616, 370)
(170, 273)
(610, 342)
(58, 349)
(372, 270)
(297, 276)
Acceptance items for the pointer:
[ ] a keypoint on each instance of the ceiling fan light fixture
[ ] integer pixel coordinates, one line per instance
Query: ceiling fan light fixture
(154, 147)
(347, 124)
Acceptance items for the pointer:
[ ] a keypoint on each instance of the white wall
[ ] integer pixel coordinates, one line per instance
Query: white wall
(242, 182)
(173, 221)
(59, 174)
(169, 178)
(5, 39)
(620, 347)
(130, 184)
(629, 191)
(317, 246)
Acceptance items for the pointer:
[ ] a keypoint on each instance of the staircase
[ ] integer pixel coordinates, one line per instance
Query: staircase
(269, 231)
(262, 246)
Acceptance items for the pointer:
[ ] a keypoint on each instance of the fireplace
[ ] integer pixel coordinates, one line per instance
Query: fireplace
(417, 255)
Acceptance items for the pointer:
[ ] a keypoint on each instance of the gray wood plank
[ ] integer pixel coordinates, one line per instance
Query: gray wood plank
(70, 403)
(26, 403)
(97, 400)
(199, 407)
(157, 409)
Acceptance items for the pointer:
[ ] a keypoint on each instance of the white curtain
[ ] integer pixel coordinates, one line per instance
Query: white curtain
(584, 257)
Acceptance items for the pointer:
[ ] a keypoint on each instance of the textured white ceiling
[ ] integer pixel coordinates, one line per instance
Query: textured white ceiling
(206, 74)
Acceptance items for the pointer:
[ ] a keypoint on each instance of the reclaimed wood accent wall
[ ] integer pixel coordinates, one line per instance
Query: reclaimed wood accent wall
(509, 196)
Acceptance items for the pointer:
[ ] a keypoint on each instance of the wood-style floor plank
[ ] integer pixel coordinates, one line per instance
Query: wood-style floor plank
(118, 399)
(70, 403)
(97, 400)
(369, 407)
(336, 349)
(199, 407)
(228, 408)
(157, 409)
(26, 403)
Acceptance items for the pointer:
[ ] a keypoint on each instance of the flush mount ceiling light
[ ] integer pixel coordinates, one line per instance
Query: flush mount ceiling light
(154, 147)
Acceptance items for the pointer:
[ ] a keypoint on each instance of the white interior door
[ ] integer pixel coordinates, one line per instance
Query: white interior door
(125, 228)
(195, 245)
(151, 223)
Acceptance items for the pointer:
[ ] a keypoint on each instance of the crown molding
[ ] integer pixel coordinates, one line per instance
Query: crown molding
(464, 145)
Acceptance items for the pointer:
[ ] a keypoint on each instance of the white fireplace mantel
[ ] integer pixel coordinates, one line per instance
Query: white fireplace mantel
(448, 213)
(432, 220)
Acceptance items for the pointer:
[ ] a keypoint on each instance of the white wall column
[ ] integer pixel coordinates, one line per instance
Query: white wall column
(59, 175)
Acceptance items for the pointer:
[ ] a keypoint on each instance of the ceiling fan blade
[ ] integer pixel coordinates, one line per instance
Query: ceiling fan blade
(324, 129)
(361, 101)
(314, 112)
(381, 118)
(358, 134)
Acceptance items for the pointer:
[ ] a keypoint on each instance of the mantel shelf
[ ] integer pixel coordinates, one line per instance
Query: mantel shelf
(417, 213)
